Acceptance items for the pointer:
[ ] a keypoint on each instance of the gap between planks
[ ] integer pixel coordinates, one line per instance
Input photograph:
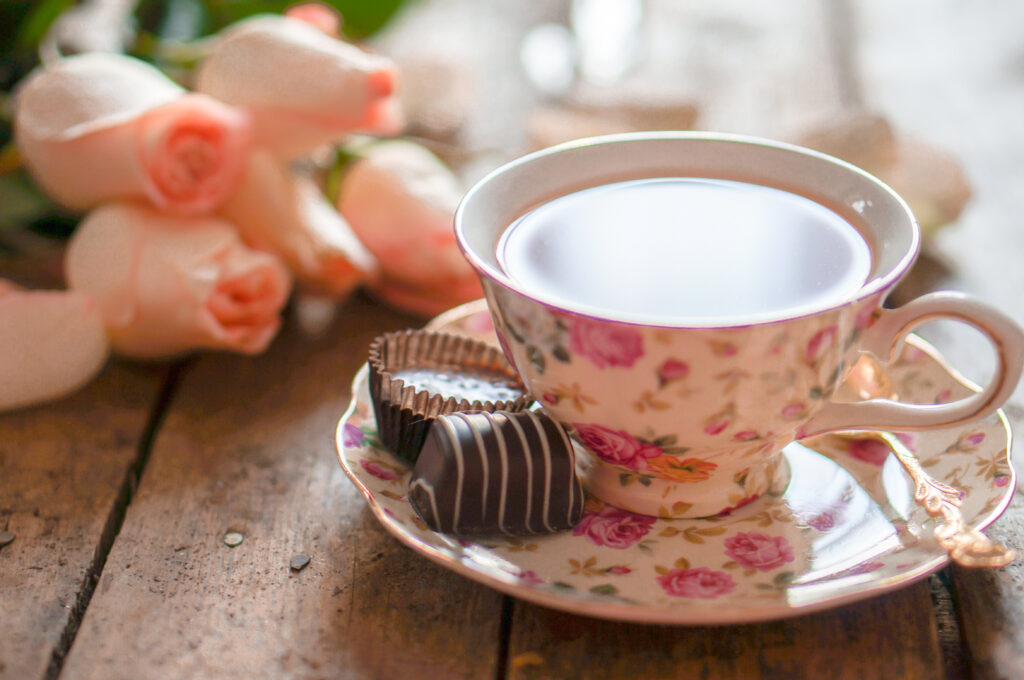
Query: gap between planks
(112, 527)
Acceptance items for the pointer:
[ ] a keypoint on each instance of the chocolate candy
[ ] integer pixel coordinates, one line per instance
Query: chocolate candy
(417, 375)
(511, 473)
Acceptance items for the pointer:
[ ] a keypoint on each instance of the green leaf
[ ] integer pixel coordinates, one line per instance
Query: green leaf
(625, 479)
(604, 589)
(38, 21)
(783, 578)
(361, 18)
(343, 158)
(21, 201)
(561, 354)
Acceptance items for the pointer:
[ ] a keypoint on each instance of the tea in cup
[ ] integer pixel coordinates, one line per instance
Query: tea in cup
(686, 303)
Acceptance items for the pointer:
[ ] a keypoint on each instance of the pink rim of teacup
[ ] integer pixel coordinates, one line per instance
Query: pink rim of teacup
(486, 266)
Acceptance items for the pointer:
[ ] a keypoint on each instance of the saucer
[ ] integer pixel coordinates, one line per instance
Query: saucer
(841, 527)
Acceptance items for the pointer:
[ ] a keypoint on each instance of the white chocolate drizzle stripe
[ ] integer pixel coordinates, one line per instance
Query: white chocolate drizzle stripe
(570, 456)
(545, 447)
(529, 470)
(484, 468)
(503, 480)
(460, 471)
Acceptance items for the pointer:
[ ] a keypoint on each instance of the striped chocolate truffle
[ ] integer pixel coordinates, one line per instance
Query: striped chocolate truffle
(502, 472)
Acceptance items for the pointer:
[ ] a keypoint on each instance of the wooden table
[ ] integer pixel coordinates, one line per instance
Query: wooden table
(120, 496)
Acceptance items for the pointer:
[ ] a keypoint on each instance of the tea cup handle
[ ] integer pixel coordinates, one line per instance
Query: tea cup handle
(885, 340)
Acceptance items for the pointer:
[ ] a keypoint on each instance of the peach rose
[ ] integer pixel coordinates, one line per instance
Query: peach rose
(286, 214)
(400, 201)
(98, 127)
(318, 14)
(51, 343)
(302, 87)
(166, 285)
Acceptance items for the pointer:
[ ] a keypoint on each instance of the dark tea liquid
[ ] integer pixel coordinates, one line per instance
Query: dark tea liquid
(685, 250)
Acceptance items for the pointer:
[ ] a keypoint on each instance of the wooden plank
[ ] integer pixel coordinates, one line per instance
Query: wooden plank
(247, 446)
(65, 474)
(991, 605)
(887, 637)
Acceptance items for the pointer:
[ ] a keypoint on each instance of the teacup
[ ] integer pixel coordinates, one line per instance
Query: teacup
(686, 415)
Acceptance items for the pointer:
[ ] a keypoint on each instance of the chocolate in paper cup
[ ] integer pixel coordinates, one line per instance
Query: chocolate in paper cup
(417, 375)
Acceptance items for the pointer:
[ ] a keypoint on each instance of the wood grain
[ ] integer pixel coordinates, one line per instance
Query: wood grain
(887, 637)
(66, 469)
(247, 446)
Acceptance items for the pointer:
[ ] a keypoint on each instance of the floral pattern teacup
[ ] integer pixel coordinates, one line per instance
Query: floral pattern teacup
(689, 420)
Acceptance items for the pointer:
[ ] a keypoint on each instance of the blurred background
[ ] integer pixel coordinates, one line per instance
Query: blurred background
(928, 95)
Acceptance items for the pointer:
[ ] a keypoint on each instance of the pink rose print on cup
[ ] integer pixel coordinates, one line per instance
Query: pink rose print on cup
(908, 440)
(605, 344)
(671, 370)
(866, 315)
(700, 583)
(755, 550)
(617, 446)
(867, 568)
(872, 451)
(530, 578)
(718, 422)
(794, 411)
(716, 426)
(741, 503)
(352, 436)
(613, 528)
(377, 470)
(819, 344)
(974, 439)
(823, 522)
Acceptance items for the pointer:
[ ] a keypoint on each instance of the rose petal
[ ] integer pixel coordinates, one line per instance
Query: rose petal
(51, 343)
(303, 87)
(287, 215)
(82, 94)
(168, 285)
(184, 154)
(193, 152)
(400, 201)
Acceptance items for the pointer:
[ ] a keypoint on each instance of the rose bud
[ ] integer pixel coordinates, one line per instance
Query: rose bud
(400, 201)
(302, 87)
(51, 343)
(286, 214)
(99, 127)
(318, 14)
(167, 285)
